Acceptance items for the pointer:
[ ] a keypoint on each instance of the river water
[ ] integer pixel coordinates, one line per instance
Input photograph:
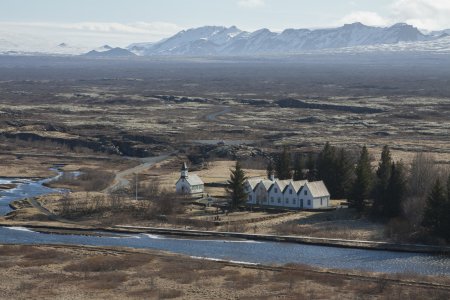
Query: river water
(233, 250)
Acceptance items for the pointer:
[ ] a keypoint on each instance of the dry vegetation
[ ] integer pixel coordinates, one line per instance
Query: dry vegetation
(82, 273)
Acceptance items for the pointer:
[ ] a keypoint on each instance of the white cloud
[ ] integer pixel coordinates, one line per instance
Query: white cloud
(87, 34)
(426, 14)
(366, 17)
(251, 3)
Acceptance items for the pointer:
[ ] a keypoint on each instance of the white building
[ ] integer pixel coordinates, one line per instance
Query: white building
(287, 193)
(189, 183)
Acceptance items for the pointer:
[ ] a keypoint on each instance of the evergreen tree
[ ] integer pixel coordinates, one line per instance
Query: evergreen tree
(448, 189)
(344, 174)
(236, 187)
(363, 182)
(299, 165)
(395, 192)
(270, 169)
(382, 181)
(311, 166)
(283, 165)
(435, 209)
(326, 167)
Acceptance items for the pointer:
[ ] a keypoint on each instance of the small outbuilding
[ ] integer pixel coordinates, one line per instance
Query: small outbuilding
(189, 183)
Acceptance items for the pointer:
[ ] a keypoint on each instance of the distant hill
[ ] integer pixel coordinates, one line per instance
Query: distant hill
(114, 52)
(216, 40)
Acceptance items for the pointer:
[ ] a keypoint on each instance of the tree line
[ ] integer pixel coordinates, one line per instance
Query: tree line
(416, 194)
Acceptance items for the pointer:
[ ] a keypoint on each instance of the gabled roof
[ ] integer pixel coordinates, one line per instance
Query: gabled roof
(298, 185)
(266, 183)
(193, 179)
(282, 184)
(253, 182)
(318, 189)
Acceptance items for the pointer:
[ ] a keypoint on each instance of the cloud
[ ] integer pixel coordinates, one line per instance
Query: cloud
(426, 14)
(365, 17)
(251, 3)
(90, 34)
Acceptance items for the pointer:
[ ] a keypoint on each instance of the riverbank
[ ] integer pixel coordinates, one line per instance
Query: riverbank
(65, 228)
(119, 273)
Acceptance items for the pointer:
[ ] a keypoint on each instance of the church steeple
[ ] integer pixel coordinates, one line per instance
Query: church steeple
(184, 171)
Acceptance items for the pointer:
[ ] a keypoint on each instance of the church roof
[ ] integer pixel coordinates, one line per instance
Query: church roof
(194, 179)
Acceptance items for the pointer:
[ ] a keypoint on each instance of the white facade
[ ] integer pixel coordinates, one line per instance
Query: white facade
(287, 193)
(189, 183)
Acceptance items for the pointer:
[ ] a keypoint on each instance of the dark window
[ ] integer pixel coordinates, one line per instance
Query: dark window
(276, 190)
(309, 202)
(290, 191)
(306, 192)
(279, 200)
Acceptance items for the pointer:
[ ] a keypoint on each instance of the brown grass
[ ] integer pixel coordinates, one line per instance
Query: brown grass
(107, 263)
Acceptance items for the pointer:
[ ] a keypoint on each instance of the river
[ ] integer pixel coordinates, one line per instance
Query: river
(247, 251)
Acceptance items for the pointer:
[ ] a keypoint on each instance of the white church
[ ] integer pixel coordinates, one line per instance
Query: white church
(287, 193)
(189, 183)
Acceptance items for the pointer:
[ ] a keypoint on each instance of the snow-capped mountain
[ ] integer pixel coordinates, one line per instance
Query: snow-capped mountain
(215, 40)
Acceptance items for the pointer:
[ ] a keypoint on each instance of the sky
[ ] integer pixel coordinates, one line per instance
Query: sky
(122, 22)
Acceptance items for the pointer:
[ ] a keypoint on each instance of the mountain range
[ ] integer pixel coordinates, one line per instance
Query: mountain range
(231, 41)
(215, 40)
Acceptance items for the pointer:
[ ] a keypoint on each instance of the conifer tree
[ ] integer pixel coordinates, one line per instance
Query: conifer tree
(363, 182)
(344, 174)
(311, 166)
(448, 189)
(395, 192)
(299, 165)
(283, 165)
(435, 209)
(236, 187)
(326, 167)
(270, 169)
(382, 181)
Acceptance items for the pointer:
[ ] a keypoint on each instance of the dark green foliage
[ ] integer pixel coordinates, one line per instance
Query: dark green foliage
(326, 167)
(448, 188)
(437, 212)
(344, 174)
(395, 192)
(236, 187)
(283, 165)
(311, 166)
(382, 181)
(299, 166)
(363, 183)
(270, 169)
(335, 168)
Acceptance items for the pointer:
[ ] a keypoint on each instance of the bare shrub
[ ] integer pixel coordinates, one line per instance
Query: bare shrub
(423, 174)
(88, 180)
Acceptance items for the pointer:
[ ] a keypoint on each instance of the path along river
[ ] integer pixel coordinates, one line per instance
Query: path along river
(234, 250)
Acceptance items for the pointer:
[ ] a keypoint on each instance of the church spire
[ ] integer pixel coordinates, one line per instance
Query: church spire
(184, 170)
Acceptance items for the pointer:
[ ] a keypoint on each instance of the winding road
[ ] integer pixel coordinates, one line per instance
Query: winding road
(120, 181)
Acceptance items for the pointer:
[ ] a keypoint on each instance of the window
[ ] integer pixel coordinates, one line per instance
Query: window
(309, 202)
(294, 201)
(321, 202)
(279, 200)
(306, 193)
(271, 199)
(290, 191)
(276, 190)
(287, 201)
(250, 198)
